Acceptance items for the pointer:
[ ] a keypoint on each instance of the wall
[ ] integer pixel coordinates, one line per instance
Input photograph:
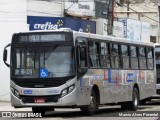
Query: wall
(45, 8)
(144, 11)
(12, 19)
(101, 27)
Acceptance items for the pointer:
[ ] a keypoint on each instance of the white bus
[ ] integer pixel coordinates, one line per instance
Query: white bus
(157, 58)
(65, 68)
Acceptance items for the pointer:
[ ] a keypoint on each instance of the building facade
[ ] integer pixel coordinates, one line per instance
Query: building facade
(142, 10)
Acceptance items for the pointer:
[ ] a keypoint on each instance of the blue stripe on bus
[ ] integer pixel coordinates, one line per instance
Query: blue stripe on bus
(81, 82)
(109, 76)
(129, 80)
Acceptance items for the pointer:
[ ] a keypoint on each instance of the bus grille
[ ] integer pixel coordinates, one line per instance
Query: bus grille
(48, 98)
(38, 83)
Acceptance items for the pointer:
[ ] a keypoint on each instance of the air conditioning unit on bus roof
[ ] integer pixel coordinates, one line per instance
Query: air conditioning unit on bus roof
(65, 29)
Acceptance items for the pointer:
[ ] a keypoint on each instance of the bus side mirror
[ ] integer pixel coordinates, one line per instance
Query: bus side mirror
(82, 53)
(5, 55)
(82, 56)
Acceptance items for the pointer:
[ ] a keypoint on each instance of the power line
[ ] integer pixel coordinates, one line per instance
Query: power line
(141, 13)
(12, 11)
(69, 7)
(10, 3)
(145, 9)
(42, 12)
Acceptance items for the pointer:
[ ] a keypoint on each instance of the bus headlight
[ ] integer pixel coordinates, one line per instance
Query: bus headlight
(12, 90)
(67, 90)
(71, 88)
(64, 92)
(15, 92)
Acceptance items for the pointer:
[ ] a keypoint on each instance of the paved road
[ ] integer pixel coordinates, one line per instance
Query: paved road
(105, 113)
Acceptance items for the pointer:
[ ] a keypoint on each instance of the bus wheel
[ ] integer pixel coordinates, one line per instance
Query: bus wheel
(38, 110)
(135, 99)
(92, 107)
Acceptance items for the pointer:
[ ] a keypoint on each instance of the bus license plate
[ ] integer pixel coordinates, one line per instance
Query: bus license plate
(39, 100)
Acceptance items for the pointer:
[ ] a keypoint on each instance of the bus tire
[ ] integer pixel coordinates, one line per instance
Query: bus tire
(135, 99)
(38, 110)
(92, 107)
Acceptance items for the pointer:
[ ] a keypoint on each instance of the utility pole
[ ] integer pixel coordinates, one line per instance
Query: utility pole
(127, 8)
(158, 22)
(110, 17)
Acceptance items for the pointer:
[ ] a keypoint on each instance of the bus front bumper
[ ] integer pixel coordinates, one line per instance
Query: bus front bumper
(67, 101)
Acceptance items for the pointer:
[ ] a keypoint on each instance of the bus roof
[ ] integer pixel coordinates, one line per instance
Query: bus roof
(156, 44)
(45, 31)
(95, 36)
(112, 38)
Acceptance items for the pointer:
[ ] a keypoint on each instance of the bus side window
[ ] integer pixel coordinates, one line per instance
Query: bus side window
(82, 56)
(94, 54)
(105, 58)
(125, 57)
(142, 58)
(114, 56)
(150, 58)
(134, 57)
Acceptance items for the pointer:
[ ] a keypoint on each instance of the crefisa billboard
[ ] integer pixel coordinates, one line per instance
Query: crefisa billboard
(53, 23)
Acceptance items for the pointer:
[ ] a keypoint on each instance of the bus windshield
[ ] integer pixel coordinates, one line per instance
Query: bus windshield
(43, 62)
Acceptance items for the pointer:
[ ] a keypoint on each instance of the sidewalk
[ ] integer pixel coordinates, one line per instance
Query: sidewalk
(6, 106)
